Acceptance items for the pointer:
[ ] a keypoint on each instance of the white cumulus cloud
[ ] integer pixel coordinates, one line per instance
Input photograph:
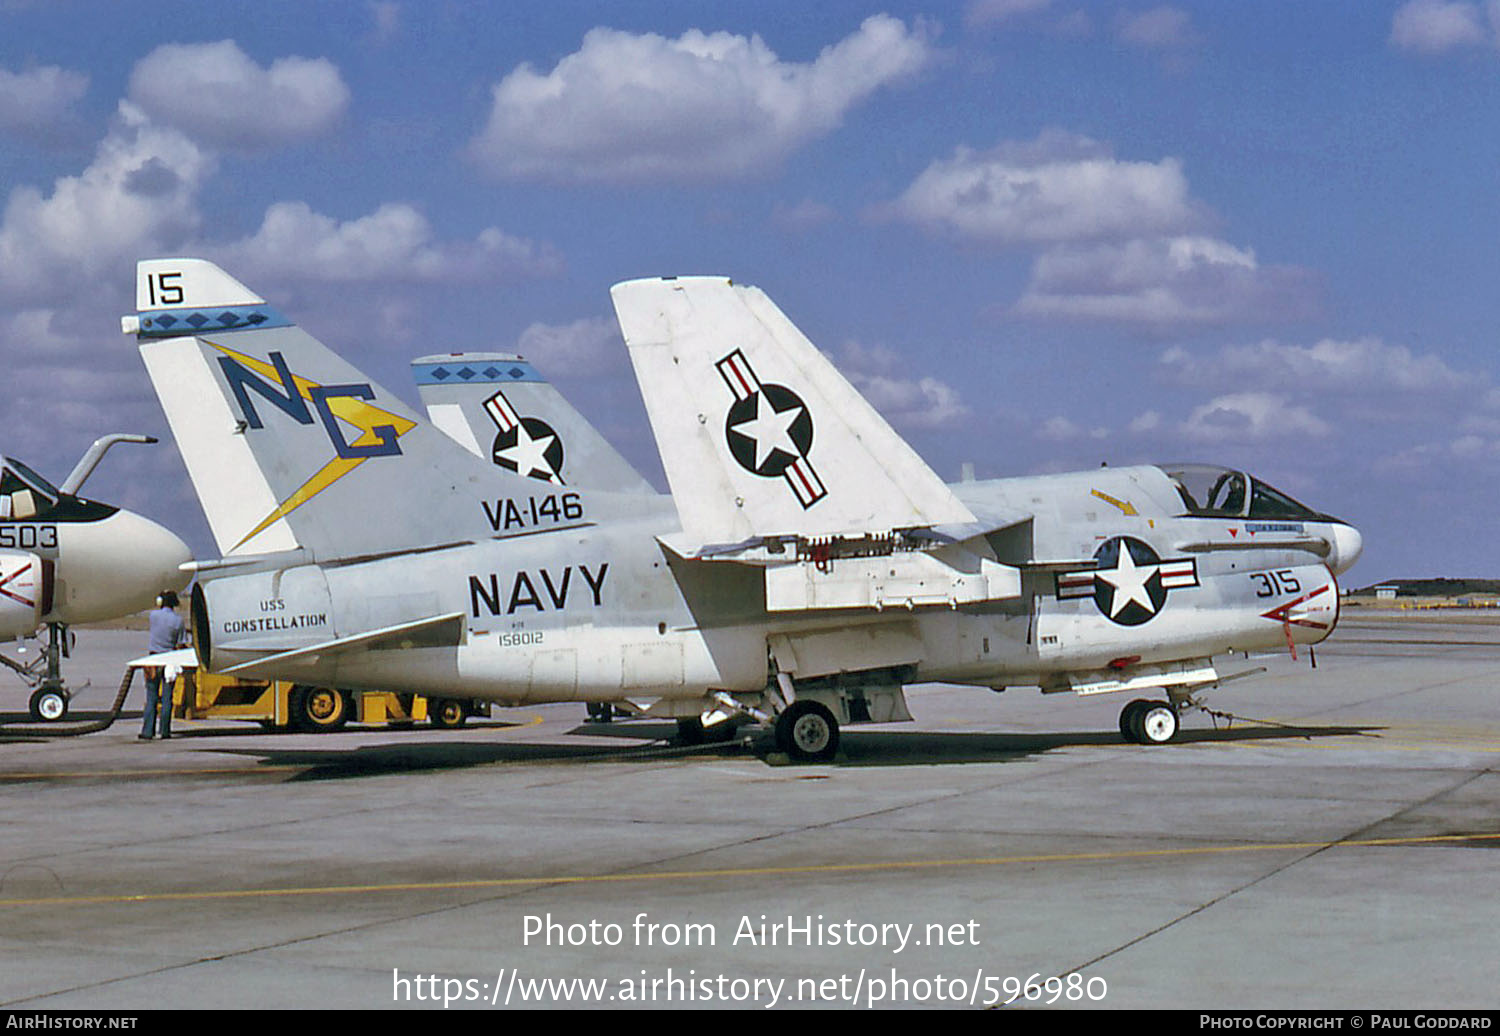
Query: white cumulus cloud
(217, 94)
(591, 345)
(1437, 26)
(629, 107)
(1242, 417)
(1160, 28)
(1163, 282)
(915, 402)
(34, 101)
(395, 242)
(1330, 365)
(137, 196)
(1059, 188)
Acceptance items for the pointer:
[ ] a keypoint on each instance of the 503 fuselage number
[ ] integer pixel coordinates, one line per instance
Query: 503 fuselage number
(1274, 584)
(28, 537)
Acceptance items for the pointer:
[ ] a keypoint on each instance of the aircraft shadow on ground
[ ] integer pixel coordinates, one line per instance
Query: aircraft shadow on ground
(649, 741)
(920, 747)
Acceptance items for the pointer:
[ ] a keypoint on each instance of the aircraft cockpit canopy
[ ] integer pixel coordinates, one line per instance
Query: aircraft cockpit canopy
(23, 493)
(1214, 492)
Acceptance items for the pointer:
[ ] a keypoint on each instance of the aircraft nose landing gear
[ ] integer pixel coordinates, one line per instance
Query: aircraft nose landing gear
(50, 699)
(49, 705)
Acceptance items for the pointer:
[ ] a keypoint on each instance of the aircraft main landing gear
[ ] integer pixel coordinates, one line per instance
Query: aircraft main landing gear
(1145, 722)
(807, 732)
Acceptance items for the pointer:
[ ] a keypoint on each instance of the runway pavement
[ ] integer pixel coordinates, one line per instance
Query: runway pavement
(1340, 851)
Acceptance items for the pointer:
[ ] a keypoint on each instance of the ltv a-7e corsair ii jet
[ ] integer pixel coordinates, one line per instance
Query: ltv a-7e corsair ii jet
(805, 567)
(65, 560)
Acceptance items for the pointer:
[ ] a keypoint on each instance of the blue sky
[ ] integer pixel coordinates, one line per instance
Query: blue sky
(1039, 234)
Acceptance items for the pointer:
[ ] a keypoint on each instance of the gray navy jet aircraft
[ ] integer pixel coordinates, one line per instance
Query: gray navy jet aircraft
(805, 568)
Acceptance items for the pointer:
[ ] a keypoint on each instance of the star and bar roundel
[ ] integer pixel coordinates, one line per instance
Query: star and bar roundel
(769, 430)
(526, 445)
(1130, 584)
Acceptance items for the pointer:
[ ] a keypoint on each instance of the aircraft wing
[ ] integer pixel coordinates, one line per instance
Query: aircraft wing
(434, 631)
(759, 434)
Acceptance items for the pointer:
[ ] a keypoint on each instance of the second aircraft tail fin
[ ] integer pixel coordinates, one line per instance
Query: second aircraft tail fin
(500, 407)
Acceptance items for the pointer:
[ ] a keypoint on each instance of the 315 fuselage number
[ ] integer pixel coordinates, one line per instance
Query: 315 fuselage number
(1272, 584)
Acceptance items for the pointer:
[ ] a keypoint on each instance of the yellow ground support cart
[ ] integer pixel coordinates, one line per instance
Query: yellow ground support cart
(279, 704)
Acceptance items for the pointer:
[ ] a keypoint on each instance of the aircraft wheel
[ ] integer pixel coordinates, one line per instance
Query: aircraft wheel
(807, 732)
(600, 711)
(1127, 720)
(1156, 723)
(48, 706)
(319, 709)
(449, 713)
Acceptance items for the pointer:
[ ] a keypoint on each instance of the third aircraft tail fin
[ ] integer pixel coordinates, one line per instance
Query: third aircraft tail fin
(759, 434)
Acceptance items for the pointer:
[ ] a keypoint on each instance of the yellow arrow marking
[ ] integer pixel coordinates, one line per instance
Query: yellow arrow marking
(1125, 506)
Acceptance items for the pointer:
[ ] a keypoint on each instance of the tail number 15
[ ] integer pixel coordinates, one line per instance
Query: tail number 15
(162, 289)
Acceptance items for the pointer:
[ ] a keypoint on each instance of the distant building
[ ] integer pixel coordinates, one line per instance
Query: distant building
(1386, 592)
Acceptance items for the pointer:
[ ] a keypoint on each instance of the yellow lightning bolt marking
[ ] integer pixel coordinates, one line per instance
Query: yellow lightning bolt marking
(354, 411)
(1125, 506)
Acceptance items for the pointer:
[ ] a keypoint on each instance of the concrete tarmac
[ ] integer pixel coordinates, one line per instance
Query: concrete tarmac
(1337, 846)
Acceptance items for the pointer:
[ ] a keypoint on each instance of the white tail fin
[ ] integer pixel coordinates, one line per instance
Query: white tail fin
(500, 407)
(758, 433)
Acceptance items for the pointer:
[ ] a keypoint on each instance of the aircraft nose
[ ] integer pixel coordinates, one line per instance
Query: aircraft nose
(117, 566)
(1346, 545)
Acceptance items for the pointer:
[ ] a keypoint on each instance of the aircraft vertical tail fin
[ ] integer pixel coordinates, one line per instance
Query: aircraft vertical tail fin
(288, 445)
(500, 407)
(759, 434)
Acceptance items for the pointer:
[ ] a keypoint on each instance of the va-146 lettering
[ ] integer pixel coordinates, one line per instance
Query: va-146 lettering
(533, 512)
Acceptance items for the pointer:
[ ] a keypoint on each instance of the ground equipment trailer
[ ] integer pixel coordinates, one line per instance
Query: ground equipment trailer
(281, 704)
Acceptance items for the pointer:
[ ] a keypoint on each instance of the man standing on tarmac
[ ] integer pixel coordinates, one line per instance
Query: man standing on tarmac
(167, 634)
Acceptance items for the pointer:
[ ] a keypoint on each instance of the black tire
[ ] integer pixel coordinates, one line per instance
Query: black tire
(600, 711)
(319, 710)
(1156, 724)
(807, 732)
(448, 713)
(49, 706)
(1127, 720)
